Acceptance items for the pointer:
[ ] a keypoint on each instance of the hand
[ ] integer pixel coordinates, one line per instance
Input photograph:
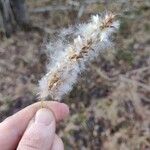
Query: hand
(33, 128)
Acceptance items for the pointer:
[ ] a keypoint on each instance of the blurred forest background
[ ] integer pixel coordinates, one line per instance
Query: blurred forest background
(110, 105)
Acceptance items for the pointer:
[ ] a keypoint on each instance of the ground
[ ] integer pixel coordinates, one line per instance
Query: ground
(110, 105)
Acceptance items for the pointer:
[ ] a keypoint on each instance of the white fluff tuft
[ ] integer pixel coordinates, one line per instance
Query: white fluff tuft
(70, 59)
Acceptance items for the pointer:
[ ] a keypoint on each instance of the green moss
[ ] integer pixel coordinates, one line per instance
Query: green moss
(125, 27)
(126, 56)
(145, 8)
(100, 7)
(147, 27)
(80, 119)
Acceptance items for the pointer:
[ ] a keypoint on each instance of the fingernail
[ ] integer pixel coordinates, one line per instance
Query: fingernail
(44, 116)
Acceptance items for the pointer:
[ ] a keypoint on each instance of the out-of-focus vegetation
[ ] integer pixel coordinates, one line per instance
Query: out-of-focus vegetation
(110, 105)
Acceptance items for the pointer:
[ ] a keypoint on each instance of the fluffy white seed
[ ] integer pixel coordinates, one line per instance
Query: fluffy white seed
(68, 60)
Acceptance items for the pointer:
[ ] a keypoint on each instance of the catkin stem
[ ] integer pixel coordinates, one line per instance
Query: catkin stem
(42, 103)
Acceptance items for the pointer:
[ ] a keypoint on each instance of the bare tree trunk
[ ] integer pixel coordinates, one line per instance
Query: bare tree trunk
(20, 11)
(13, 14)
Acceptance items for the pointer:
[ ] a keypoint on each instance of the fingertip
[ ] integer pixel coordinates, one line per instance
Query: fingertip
(64, 110)
(40, 133)
(60, 110)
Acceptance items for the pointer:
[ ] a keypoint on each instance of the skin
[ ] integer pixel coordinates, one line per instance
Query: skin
(34, 128)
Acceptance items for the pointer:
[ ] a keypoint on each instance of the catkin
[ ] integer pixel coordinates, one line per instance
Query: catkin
(91, 39)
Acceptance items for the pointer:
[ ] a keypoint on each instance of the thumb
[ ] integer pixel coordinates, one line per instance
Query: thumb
(40, 133)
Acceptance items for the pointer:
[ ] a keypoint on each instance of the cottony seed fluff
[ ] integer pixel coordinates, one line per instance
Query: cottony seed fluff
(71, 57)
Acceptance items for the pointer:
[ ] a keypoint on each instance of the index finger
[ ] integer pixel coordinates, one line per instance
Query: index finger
(12, 128)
